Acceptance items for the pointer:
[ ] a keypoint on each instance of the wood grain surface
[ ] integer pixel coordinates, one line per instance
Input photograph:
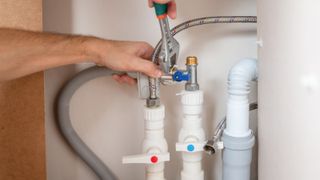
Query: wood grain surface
(22, 142)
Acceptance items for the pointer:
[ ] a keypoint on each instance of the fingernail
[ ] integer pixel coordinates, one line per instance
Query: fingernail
(158, 73)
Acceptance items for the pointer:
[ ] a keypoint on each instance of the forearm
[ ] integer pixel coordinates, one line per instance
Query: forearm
(25, 52)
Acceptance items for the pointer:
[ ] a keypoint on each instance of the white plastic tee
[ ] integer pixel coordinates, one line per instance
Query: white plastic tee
(155, 147)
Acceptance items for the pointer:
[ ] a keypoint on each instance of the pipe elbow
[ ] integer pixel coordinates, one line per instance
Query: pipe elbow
(240, 76)
(244, 70)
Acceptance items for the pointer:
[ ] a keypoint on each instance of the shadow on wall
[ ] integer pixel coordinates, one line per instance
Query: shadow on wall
(57, 17)
(62, 20)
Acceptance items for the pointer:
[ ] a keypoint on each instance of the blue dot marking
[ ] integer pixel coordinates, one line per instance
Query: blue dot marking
(190, 147)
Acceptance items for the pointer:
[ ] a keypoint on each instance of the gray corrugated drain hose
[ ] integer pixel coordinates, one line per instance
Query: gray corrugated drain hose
(65, 125)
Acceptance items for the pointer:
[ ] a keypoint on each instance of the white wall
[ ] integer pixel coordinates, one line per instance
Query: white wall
(289, 90)
(108, 116)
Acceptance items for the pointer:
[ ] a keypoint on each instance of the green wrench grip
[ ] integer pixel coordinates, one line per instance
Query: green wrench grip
(161, 9)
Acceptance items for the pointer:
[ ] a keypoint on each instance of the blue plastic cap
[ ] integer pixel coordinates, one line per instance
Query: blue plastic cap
(190, 147)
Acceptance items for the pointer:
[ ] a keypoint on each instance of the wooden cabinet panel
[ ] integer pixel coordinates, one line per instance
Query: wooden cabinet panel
(22, 142)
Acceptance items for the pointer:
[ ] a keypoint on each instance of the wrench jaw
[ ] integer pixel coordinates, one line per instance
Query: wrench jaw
(174, 54)
(168, 56)
(164, 63)
(167, 59)
(169, 50)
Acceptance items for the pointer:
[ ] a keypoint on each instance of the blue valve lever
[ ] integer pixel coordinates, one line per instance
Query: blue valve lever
(181, 76)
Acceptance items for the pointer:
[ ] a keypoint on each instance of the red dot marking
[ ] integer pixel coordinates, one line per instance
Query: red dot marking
(154, 159)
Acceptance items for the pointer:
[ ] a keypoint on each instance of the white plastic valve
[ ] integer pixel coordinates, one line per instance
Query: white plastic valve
(154, 146)
(190, 147)
(146, 158)
(191, 135)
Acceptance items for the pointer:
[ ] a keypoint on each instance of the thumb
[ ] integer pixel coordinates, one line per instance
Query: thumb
(144, 66)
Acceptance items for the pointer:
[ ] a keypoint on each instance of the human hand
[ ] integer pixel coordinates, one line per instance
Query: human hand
(172, 6)
(128, 57)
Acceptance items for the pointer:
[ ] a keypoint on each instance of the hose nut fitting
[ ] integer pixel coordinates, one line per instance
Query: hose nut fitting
(153, 102)
(209, 147)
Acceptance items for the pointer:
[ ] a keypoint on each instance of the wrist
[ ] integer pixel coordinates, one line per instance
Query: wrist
(95, 49)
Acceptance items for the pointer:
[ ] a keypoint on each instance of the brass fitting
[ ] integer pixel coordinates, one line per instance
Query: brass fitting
(192, 84)
(192, 60)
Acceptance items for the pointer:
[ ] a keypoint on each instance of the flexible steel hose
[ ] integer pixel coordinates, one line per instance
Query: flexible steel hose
(153, 82)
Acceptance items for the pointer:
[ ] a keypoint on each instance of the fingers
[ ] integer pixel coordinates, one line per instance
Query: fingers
(131, 57)
(144, 66)
(172, 10)
(124, 78)
(150, 3)
(145, 50)
(140, 61)
(172, 6)
(137, 48)
(161, 1)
